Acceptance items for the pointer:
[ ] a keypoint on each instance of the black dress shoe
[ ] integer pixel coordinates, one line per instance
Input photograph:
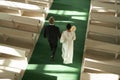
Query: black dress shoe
(52, 58)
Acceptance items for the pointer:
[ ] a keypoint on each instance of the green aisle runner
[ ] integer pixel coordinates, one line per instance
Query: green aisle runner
(40, 67)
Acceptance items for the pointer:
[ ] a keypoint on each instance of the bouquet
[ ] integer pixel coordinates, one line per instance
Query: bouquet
(73, 28)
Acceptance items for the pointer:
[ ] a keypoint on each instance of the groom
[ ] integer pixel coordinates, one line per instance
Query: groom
(52, 33)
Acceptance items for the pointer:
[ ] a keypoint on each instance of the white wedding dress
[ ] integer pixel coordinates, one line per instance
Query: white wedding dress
(67, 40)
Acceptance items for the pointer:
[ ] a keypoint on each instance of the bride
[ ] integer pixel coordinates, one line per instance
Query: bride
(67, 39)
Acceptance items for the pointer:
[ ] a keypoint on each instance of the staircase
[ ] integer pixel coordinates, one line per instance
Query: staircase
(21, 22)
(101, 58)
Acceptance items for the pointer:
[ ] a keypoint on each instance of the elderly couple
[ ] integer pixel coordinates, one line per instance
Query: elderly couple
(52, 33)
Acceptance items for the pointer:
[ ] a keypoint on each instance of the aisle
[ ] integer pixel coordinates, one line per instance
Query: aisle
(40, 67)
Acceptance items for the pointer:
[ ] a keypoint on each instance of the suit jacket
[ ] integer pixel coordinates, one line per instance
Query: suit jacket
(53, 34)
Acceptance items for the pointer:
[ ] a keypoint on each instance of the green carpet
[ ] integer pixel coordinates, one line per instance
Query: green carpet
(40, 67)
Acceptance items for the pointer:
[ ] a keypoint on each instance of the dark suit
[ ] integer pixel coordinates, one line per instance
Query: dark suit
(52, 33)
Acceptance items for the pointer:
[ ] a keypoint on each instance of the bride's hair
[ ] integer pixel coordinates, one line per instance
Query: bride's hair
(68, 26)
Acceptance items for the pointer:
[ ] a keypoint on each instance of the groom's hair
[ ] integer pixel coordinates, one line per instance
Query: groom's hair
(51, 20)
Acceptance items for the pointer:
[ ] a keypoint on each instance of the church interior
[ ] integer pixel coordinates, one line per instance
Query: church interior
(25, 53)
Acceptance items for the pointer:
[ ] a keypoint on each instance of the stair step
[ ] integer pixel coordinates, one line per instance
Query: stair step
(9, 73)
(104, 6)
(103, 46)
(99, 76)
(20, 26)
(104, 30)
(17, 34)
(104, 18)
(109, 1)
(104, 38)
(19, 19)
(105, 24)
(103, 67)
(17, 63)
(21, 6)
(101, 57)
(5, 10)
(47, 1)
(6, 75)
(45, 4)
(12, 51)
(23, 52)
(17, 43)
(99, 62)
